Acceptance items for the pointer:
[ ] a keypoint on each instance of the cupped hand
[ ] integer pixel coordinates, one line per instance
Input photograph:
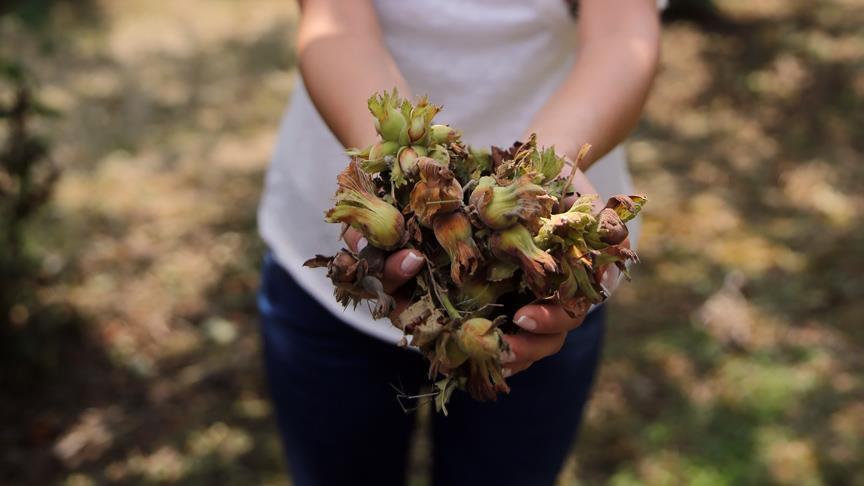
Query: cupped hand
(399, 268)
(543, 328)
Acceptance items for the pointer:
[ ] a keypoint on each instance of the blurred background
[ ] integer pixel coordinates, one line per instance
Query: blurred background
(133, 139)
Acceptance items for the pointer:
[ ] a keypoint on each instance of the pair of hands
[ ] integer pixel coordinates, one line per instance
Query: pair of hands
(543, 327)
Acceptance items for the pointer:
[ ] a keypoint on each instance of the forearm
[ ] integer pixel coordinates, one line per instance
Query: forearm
(601, 99)
(343, 61)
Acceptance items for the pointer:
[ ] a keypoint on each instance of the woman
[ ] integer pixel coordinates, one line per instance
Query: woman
(502, 69)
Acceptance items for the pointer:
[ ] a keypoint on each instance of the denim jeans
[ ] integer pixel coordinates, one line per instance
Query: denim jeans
(342, 422)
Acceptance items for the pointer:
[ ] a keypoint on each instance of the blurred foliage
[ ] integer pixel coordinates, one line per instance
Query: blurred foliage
(695, 10)
(37, 14)
(35, 334)
(28, 174)
(734, 357)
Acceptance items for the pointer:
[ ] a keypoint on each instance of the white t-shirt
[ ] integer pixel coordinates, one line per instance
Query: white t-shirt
(491, 63)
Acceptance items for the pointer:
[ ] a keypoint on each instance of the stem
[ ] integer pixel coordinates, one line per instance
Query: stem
(451, 311)
(579, 157)
(444, 201)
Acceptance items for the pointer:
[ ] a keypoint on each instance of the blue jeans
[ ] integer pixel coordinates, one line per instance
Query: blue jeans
(341, 421)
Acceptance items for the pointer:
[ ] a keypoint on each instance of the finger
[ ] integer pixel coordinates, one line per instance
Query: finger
(600, 274)
(354, 239)
(527, 347)
(545, 319)
(625, 243)
(609, 275)
(401, 267)
(609, 278)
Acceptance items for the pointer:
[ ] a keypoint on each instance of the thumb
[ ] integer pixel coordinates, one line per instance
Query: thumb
(401, 267)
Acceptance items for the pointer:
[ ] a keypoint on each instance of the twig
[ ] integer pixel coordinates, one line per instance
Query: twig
(586, 147)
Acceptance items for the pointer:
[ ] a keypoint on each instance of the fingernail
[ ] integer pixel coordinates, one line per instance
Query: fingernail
(411, 263)
(507, 372)
(526, 323)
(361, 243)
(507, 356)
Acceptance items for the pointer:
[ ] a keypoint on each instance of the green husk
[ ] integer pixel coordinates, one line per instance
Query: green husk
(490, 223)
